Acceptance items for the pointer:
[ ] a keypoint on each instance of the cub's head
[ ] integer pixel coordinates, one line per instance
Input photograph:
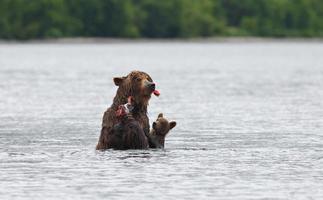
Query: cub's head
(137, 84)
(161, 126)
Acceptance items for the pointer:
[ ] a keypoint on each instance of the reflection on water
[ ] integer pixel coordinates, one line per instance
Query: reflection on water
(250, 121)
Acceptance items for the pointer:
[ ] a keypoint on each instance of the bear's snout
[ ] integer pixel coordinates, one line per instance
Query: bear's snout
(150, 85)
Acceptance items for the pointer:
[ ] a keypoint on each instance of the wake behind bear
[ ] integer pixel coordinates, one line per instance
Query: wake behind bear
(139, 86)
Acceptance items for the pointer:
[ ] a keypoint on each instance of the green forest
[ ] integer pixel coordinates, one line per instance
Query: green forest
(38, 19)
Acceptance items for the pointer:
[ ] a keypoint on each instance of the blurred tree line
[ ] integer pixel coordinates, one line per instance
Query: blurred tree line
(26, 19)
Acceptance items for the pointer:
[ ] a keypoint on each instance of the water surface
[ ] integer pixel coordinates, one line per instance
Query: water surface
(249, 121)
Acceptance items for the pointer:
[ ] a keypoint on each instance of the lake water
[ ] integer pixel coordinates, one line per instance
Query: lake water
(249, 121)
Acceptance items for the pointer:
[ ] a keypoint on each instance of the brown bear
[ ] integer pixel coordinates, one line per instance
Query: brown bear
(160, 129)
(127, 134)
(140, 86)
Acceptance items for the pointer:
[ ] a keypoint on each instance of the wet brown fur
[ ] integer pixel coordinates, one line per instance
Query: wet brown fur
(161, 128)
(127, 135)
(130, 85)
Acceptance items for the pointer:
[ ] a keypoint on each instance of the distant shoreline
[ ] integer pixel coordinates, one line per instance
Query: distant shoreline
(91, 40)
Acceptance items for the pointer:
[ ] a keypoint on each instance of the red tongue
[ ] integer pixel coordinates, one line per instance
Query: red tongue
(156, 92)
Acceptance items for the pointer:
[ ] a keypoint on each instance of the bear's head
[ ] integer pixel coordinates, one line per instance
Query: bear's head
(161, 128)
(137, 84)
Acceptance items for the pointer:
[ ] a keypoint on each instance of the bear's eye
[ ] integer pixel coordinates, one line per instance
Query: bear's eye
(138, 79)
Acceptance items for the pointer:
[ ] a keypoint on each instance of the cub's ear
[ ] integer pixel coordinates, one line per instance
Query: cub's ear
(172, 125)
(160, 115)
(118, 80)
(154, 125)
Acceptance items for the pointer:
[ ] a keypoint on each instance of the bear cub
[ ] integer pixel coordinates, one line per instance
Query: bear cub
(160, 129)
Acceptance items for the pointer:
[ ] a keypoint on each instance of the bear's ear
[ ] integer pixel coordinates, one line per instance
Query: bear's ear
(118, 80)
(160, 115)
(154, 125)
(172, 125)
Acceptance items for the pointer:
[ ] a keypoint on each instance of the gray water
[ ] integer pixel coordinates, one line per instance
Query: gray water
(249, 121)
